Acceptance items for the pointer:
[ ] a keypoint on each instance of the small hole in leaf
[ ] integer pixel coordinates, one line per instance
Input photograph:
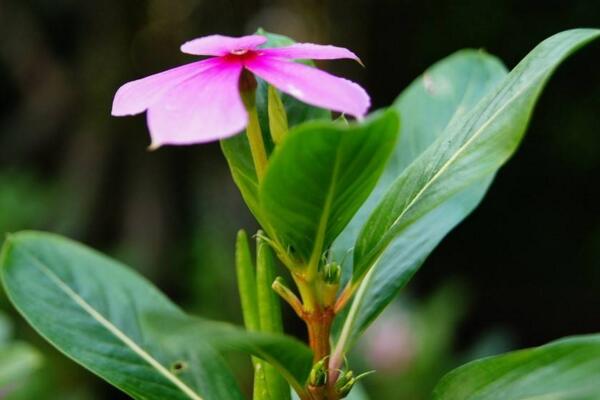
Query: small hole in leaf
(178, 367)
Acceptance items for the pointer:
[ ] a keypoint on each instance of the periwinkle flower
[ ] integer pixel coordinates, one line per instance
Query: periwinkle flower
(201, 102)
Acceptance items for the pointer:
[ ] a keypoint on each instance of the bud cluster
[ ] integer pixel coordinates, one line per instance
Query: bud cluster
(318, 374)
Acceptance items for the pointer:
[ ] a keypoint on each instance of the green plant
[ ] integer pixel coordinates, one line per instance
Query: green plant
(352, 210)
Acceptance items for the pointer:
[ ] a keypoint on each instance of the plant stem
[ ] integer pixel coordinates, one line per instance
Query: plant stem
(319, 328)
(285, 293)
(246, 282)
(269, 312)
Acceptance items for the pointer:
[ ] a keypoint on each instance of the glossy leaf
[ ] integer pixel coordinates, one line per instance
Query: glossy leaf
(472, 147)
(292, 358)
(318, 178)
(237, 150)
(448, 89)
(91, 307)
(563, 370)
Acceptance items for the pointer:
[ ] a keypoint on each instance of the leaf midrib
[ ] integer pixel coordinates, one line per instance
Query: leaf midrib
(98, 317)
(324, 219)
(365, 278)
(448, 163)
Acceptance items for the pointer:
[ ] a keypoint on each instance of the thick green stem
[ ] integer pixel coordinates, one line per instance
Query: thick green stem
(246, 282)
(269, 312)
(246, 278)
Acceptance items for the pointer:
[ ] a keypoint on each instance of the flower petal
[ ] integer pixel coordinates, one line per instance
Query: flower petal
(200, 110)
(312, 85)
(310, 51)
(219, 45)
(136, 96)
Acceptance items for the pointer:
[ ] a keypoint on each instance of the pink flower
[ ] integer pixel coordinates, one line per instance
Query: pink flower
(200, 102)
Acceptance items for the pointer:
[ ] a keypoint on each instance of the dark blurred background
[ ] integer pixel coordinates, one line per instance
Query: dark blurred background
(522, 270)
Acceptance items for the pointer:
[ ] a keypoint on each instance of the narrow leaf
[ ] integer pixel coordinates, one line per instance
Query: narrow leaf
(473, 146)
(246, 282)
(467, 154)
(278, 123)
(269, 312)
(446, 91)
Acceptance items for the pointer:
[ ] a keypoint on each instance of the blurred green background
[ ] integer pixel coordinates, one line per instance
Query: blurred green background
(522, 270)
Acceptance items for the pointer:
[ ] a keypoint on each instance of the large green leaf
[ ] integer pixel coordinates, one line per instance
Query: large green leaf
(320, 175)
(237, 149)
(91, 307)
(567, 369)
(292, 358)
(448, 89)
(473, 146)
(465, 156)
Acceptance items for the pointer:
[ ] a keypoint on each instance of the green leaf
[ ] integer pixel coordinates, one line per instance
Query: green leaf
(91, 307)
(319, 177)
(17, 362)
(563, 370)
(470, 150)
(237, 149)
(292, 358)
(447, 90)
(472, 147)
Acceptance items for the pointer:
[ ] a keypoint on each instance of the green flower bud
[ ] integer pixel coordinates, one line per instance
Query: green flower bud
(344, 384)
(278, 122)
(318, 373)
(332, 272)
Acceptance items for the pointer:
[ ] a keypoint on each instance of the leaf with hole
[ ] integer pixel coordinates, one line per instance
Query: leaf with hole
(91, 308)
(292, 358)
